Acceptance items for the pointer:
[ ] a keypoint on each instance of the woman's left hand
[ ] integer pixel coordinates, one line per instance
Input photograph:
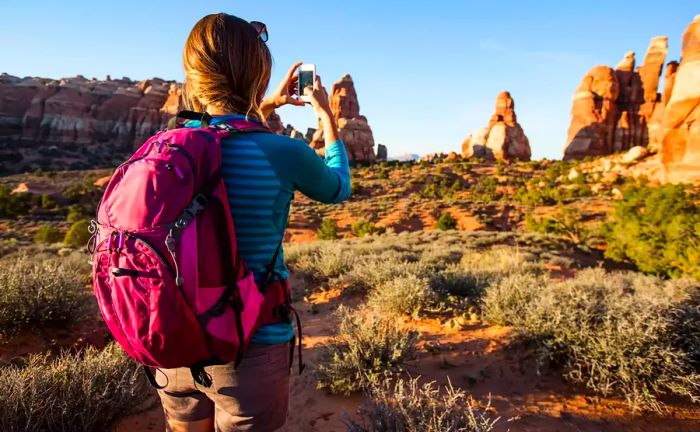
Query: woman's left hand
(283, 94)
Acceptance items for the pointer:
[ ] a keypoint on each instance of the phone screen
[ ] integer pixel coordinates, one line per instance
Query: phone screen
(306, 79)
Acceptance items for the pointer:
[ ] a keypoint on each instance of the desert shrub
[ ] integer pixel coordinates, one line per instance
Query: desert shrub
(78, 234)
(329, 260)
(75, 213)
(47, 201)
(47, 233)
(408, 294)
(508, 301)
(328, 230)
(656, 228)
(456, 282)
(617, 333)
(375, 269)
(81, 392)
(446, 222)
(567, 223)
(438, 189)
(406, 406)
(362, 228)
(367, 348)
(14, 204)
(534, 194)
(485, 190)
(37, 291)
(498, 262)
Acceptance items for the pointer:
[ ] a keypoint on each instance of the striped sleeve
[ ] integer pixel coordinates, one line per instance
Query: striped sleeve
(326, 180)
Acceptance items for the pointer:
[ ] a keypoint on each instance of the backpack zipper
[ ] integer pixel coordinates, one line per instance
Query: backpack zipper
(188, 157)
(158, 255)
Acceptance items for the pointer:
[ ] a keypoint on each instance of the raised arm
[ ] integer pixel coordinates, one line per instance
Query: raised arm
(326, 180)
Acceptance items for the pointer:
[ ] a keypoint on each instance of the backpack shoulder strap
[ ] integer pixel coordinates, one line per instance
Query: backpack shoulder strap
(238, 125)
(183, 116)
(270, 269)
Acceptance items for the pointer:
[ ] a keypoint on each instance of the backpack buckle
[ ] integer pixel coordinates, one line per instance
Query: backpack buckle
(196, 206)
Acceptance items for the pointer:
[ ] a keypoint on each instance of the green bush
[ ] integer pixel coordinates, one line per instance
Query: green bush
(485, 190)
(567, 223)
(47, 233)
(657, 229)
(617, 333)
(78, 234)
(75, 213)
(368, 347)
(328, 230)
(406, 406)
(47, 201)
(446, 222)
(362, 228)
(39, 291)
(82, 392)
(16, 204)
(534, 194)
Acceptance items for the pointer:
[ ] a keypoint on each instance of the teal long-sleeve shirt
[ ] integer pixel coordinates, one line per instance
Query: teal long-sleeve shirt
(261, 172)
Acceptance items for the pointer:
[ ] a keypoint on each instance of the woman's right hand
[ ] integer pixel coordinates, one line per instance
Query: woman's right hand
(319, 98)
(320, 103)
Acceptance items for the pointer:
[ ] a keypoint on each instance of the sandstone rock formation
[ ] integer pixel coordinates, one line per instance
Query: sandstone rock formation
(274, 122)
(623, 112)
(353, 127)
(594, 114)
(293, 133)
(503, 139)
(680, 146)
(382, 153)
(612, 109)
(77, 114)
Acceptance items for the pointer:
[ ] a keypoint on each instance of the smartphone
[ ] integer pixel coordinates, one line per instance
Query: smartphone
(307, 76)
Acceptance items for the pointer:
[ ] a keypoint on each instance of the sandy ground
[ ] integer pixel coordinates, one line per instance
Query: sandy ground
(483, 360)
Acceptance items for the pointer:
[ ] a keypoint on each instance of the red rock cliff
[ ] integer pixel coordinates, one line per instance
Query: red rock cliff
(612, 109)
(680, 144)
(75, 114)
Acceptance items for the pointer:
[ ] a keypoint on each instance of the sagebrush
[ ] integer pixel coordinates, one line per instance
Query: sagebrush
(407, 406)
(39, 291)
(83, 392)
(368, 347)
(617, 333)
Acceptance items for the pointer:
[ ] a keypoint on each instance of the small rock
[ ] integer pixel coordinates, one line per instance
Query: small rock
(573, 174)
(634, 154)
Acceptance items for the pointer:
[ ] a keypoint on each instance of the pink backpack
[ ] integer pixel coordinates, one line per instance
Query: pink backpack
(167, 275)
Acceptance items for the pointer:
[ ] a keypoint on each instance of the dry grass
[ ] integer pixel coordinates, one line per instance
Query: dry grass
(406, 406)
(42, 290)
(83, 392)
(367, 348)
(617, 333)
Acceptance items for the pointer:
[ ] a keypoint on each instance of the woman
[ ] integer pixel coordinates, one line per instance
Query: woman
(227, 66)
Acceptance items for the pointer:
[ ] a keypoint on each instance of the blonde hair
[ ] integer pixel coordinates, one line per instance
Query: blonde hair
(226, 65)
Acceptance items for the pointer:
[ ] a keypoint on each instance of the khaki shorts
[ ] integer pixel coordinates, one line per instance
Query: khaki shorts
(253, 397)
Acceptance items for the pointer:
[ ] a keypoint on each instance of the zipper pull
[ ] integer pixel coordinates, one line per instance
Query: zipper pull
(176, 169)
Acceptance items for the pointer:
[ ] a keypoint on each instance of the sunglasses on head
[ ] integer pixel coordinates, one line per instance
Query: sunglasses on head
(261, 28)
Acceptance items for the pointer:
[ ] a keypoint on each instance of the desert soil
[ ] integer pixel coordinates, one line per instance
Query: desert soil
(484, 360)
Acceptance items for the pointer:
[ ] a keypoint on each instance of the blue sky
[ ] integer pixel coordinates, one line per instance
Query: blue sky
(427, 73)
